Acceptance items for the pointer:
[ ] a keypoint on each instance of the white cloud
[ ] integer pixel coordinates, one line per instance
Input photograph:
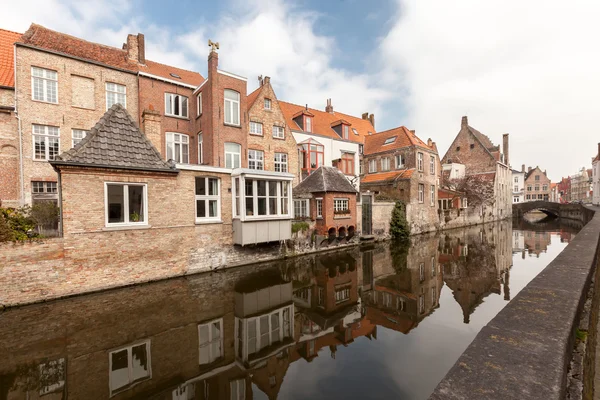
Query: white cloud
(526, 68)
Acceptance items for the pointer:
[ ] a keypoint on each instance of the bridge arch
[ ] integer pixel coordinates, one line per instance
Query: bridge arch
(547, 207)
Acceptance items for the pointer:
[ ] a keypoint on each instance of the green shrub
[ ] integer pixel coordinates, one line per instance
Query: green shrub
(17, 224)
(299, 226)
(46, 214)
(399, 225)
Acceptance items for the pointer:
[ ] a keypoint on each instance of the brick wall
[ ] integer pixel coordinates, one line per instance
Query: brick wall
(9, 151)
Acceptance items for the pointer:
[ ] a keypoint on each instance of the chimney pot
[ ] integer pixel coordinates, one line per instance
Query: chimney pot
(523, 168)
(464, 122)
(141, 48)
(598, 148)
(529, 169)
(372, 119)
(365, 115)
(329, 107)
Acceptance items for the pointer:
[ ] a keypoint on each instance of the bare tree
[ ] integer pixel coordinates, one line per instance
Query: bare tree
(478, 189)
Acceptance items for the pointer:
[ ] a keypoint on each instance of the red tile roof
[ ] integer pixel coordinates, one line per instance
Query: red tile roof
(44, 38)
(322, 122)
(7, 57)
(388, 176)
(251, 98)
(404, 138)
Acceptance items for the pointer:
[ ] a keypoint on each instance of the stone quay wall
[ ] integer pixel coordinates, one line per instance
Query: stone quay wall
(524, 351)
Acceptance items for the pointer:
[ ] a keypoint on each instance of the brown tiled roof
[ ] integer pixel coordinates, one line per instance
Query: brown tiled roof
(404, 138)
(251, 98)
(7, 57)
(41, 37)
(324, 179)
(322, 122)
(388, 176)
(115, 142)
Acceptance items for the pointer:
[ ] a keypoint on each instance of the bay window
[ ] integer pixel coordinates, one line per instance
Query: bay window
(176, 105)
(233, 153)
(262, 197)
(256, 159)
(281, 162)
(232, 107)
(208, 199)
(178, 147)
(312, 156)
(125, 204)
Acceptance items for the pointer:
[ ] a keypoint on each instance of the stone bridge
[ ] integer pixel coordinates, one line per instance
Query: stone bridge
(566, 211)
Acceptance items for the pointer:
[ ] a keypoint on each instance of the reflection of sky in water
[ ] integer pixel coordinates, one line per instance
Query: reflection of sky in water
(406, 366)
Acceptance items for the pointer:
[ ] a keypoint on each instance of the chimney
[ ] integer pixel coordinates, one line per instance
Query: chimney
(365, 115)
(505, 148)
(267, 80)
(329, 107)
(213, 64)
(464, 123)
(598, 148)
(136, 48)
(528, 169)
(152, 129)
(260, 80)
(429, 142)
(523, 168)
(545, 173)
(372, 119)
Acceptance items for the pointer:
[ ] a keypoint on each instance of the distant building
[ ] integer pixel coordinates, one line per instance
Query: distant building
(537, 185)
(564, 190)
(580, 186)
(554, 195)
(596, 178)
(518, 185)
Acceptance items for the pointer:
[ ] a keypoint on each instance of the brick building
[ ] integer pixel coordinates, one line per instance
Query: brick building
(564, 190)
(400, 166)
(595, 176)
(581, 186)
(537, 185)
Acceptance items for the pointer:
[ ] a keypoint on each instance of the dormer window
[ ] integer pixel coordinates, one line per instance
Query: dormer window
(267, 104)
(390, 140)
(307, 123)
(346, 130)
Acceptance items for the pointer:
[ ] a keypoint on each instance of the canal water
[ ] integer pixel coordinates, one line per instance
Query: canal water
(378, 321)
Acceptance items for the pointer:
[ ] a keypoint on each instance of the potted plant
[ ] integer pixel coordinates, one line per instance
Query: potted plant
(135, 217)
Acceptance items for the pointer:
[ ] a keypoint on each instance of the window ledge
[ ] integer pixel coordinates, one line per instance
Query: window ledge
(232, 125)
(256, 134)
(343, 217)
(177, 116)
(125, 227)
(278, 138)
(44, 101)
(208, 222)
(83, 108)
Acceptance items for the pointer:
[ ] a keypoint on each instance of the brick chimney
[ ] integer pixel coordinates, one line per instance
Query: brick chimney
(213, 64)
(505, 148)
(464, 122)
(529, 169)
(266, 80)
(598, 148)
(152, 129)
(523, 168)
(329, 107)
(365, 115)
(372, 119)
(429, 142)
(136, 48)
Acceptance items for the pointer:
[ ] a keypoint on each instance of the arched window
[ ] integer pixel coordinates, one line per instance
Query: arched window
(233, 153)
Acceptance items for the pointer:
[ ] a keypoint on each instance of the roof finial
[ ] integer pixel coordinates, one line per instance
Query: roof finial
(214, 45)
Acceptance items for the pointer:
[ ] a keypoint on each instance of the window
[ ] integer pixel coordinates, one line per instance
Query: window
(129, 366)
(516, 188)
(115, 93)
(360, 168)
(44, 85)
(232, 155)
(457, 148)
(281, 162)
(399, 161)
(176, 105)
(126, 204)
(537, 188)
(301, 208)
(432, 165)
(372, 166)
(340, 205)
(464, 202)
(537, 177)
(540, 197)
(385, 164)
(433, 295)
(544, 187)
(528, 197)
(208, 200)
(200, 149)
(432, 194)
(347, 163)
(307, 124)
(263, 197)
(52, 376)
(178, 147)
(311, 156)
(256, 159)
(420, 161)
(44, 187)
(265, 330)
(210, 337)
(46, 142)
(516, 179)
(278, 132)
(256, 128)
(421, 272)
(390, 140)
(267, 104)
(529, 188)
(319, 203)
(421, 193)
(346, 130)
(355, 131)
(232, 107)
(342, 294)
(433, 269)
(78, 135)
(400, 304)
(237, 389)
(199, 105)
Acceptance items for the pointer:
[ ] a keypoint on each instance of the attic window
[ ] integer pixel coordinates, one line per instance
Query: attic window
(472, 146)
(174, 75)
(389, 140)
(355, 131)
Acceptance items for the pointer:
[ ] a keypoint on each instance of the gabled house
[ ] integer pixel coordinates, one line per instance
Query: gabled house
(537, 185)
(401, 166)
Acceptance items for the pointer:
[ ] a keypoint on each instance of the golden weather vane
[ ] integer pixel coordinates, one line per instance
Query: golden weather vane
(214, 45)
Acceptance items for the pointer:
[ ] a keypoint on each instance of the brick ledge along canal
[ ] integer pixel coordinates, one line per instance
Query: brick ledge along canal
(376, 321)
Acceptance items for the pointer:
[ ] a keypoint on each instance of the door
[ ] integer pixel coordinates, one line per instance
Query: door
(367, 212)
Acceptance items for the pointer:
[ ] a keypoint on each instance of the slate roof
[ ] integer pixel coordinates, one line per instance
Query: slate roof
(404, 138)
(115, 142)
(324, 179)
(7, 57)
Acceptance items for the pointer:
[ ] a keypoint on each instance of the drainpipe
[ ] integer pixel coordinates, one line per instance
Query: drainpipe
(60, 205)
(21, 174)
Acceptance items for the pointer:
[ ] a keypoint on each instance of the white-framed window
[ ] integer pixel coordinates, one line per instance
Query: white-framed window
(267, 104)
(233, 153)
(399, 161)
(342, 294)
(256, 128)
(265, 197)
(390, 140)
(372, 166)
(237, 389)
(400, 304)
(126, 204)
(385, 164)
(257, 333)
(52, 376)
(115, 93)
(46, 142)
(210, 338)
(432, 165)
(421, 193)
(307, 124)
(340, 205)
(432, 194)
(208, 199)
(128, 366)
(176, 105)
(256, 159)
(319, 204)
(360, 168)
(346, 130)
(199, 104)
(200, 148)
(44, 187)
(516, 179)
(281, 162)
(301, 208)
(420, 161)
(278, 132)
(178, 147)
(464, 202)
(232, 107)
(77, 135)
(516, 188)
(44, 85)
(544, 187)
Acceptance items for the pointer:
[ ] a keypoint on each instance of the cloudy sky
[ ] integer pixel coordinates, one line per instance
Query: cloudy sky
(528, 68)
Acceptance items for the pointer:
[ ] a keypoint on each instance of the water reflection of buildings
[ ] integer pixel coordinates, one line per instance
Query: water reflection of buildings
(223, 335)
